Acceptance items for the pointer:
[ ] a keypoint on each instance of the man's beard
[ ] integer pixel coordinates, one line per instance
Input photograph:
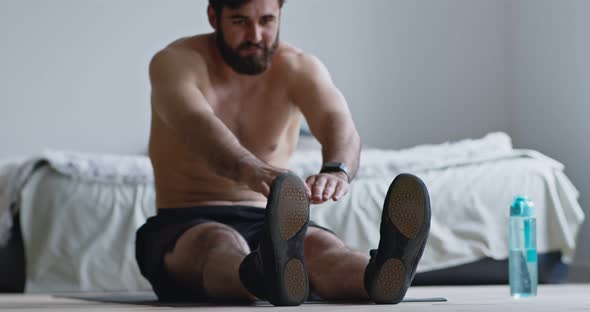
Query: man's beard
(253, 64)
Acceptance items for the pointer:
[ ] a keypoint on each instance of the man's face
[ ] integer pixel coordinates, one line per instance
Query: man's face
(247, 37)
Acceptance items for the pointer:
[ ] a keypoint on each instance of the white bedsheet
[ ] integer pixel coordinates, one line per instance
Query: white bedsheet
(470, 211)
(79, 214)
(15, 172)
(472, 184)
(385, 163)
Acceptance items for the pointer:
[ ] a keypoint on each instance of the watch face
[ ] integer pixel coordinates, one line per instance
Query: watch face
(335, 167)
(331, 167)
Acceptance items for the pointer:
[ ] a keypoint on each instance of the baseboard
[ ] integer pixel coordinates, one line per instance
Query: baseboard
(579, 274)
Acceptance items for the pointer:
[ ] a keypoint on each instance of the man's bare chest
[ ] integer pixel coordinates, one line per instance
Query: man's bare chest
(258, 118)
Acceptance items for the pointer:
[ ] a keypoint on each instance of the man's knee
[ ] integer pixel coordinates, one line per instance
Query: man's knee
(207, 236)
(192, 249)
(318, 241)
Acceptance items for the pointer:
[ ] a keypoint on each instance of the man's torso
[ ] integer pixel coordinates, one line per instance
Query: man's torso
(261, 116)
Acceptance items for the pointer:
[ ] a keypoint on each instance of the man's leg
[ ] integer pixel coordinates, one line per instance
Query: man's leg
(340, 273)
(404, 228)
(208, 256)
(275, 271)
(335, 271)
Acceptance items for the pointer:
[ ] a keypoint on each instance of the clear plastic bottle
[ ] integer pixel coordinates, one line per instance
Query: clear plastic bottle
(522, 259)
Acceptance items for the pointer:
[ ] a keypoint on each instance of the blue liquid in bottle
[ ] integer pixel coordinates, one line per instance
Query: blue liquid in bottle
(522, 259)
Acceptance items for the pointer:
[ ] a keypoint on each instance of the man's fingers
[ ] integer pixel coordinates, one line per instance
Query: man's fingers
(341, 190)
(325, 187)
(317, 189)
(310, 181)
(265, 189)
(329, 189)
(309, 184)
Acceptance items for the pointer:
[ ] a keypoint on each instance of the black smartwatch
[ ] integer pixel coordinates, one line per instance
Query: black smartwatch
(336, 167)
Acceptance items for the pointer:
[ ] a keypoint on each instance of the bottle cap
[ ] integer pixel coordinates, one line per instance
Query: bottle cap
(522, 207)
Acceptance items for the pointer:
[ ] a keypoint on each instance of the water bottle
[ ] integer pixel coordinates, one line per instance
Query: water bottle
(522, 260)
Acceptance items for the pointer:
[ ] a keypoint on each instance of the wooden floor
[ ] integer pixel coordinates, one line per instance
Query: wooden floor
(487, 298)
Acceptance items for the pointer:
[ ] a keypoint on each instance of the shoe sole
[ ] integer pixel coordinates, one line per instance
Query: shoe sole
(408, 214)
(287, 215)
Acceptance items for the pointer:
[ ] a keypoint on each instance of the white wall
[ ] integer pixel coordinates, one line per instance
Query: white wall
(412, 71)
(551, 92)
(73, 74)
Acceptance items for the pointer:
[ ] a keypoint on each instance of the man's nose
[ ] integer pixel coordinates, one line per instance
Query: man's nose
(254, 33)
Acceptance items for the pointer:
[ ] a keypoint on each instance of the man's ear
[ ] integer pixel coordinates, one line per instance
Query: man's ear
(212, 17)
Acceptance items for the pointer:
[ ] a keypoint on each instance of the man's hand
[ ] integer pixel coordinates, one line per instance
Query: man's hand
(258, 175)
(325, 186)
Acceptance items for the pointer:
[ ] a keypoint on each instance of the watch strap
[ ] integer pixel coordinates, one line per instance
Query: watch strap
(335, 167)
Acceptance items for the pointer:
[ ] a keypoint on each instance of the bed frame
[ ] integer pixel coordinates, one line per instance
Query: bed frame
(483, 272)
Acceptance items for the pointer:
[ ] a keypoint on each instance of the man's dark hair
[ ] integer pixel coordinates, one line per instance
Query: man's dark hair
(218, 5)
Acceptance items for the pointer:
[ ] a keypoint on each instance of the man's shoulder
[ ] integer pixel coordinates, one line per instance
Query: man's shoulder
(299, 65)
(183, 56)
(296, 61)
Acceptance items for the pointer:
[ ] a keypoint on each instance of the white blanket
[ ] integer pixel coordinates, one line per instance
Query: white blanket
(471, 184)
(14, 173)
(385, 163)
(374, 163)
(469, 181)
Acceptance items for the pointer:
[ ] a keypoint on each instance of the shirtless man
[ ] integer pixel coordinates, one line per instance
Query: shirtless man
(232, 222)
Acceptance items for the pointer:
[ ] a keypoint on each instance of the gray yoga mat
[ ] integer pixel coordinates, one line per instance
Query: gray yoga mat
(149, 298)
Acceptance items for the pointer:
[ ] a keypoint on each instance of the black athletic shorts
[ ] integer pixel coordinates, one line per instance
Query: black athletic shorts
(159, 235)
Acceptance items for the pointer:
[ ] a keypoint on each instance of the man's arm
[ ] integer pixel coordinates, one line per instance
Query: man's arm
(330, 121)
(178, 101)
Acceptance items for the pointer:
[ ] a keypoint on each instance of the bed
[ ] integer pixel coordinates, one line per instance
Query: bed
(75, 215)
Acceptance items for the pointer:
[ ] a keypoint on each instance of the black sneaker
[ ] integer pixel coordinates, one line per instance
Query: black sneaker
(405, 223)
(275, 271)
